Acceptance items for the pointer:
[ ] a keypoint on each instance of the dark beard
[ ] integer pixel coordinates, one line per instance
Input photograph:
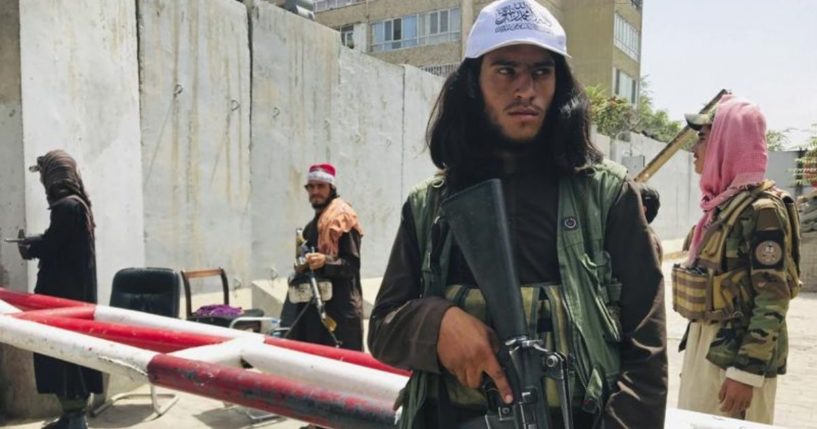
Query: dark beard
(493, 134)
(321, 206)
(497, 156)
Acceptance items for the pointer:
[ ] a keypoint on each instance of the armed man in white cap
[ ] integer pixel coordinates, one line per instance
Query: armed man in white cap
(589, 276)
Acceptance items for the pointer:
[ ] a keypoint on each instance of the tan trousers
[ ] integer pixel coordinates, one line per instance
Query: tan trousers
(701, 380)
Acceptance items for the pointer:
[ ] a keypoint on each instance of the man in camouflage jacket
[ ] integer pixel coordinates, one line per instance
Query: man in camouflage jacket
(741, 273)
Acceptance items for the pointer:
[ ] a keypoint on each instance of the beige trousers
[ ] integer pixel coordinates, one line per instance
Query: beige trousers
(701, 380)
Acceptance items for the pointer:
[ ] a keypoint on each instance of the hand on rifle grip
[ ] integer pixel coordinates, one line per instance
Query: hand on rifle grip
(467, 348)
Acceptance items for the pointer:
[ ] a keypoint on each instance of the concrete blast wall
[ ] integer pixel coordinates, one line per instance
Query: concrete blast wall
(195, 93)
(12, 189)
(314, 101)
(80, 93)
(781, 168)
(76, 85)
(676, 182)
(12, 166)
(194, 149)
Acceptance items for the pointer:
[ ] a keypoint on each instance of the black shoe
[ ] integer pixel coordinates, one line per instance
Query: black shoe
(57, 424)
(72, 420)
(76, 420)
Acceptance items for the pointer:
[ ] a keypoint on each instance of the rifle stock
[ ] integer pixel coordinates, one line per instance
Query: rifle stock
(477, 218)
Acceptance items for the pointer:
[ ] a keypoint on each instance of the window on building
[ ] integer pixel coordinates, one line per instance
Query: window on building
(625, 86)
(636, 4)
(347, 36)
(440, 26)
(627, 38)
(394, 34)
(428, 28)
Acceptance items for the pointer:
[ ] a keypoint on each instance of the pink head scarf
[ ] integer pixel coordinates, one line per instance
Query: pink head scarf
(735, 159)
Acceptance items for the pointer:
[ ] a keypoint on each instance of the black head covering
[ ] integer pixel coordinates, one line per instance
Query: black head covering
(61, 179)
(651, 202)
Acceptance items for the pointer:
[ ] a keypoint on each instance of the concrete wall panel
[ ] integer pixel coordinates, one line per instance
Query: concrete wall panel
(676, 182)
(314, 101)
(421, 91)
(80, 92)
(295, 73)
(195, 92)
(68, 79)
(12, 166)
(781, 168)
(12, 195)
(368, 148)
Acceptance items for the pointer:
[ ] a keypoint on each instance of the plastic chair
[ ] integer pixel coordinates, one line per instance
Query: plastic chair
(150, 290)
(224, 321)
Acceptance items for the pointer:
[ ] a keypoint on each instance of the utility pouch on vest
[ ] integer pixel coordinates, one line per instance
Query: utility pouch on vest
(300, 290)
(706, 292)
(689, 292)
(538, 301)
(697, 294)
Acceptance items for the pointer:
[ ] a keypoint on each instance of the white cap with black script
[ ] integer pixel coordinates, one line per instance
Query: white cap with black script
(515, 22)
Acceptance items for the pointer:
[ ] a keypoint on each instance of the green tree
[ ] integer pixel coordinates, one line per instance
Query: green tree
(653, 123)
(614, 115)
(806, 173)
(777, 140)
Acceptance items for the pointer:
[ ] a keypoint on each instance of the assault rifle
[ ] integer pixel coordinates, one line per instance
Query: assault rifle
(476, 217)
(301, 250)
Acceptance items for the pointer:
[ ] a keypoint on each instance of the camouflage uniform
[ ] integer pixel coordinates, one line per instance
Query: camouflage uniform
(758, 264)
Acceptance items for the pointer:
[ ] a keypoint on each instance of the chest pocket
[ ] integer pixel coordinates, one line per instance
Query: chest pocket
(546, 320)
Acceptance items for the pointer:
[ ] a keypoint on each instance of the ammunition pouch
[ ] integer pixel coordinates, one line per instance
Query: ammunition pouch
(300, 289)
(699, 294)
(543, 323)
(706, 292)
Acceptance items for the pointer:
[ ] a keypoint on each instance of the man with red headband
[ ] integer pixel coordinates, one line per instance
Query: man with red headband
(333, 244)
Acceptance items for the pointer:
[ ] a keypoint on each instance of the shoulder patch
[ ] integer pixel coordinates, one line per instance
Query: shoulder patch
(768, 248)
(769, 253)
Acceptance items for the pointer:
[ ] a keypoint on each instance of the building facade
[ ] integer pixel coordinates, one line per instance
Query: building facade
(603, 36)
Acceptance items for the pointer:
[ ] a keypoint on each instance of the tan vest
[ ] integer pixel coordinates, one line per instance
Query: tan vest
(706, 291)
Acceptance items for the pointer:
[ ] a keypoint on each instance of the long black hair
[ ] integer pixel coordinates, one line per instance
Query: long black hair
(462, 140)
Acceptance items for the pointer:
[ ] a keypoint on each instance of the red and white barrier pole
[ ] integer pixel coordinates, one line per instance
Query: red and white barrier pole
(310, 403)
(6, 308)
(130, 317)
(90, 352)
(298, 366)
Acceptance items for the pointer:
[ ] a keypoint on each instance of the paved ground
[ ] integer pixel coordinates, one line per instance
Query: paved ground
(796, 403)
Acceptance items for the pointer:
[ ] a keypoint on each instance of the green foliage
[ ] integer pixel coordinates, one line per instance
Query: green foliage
(777, 140)
(614, 115)
(806, 172)
(651, 122)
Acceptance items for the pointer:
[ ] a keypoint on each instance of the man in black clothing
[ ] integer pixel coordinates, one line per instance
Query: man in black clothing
(513, 111)
(333, 238)
(67, 269)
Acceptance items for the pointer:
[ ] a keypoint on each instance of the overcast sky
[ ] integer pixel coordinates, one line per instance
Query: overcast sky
(765, 51)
